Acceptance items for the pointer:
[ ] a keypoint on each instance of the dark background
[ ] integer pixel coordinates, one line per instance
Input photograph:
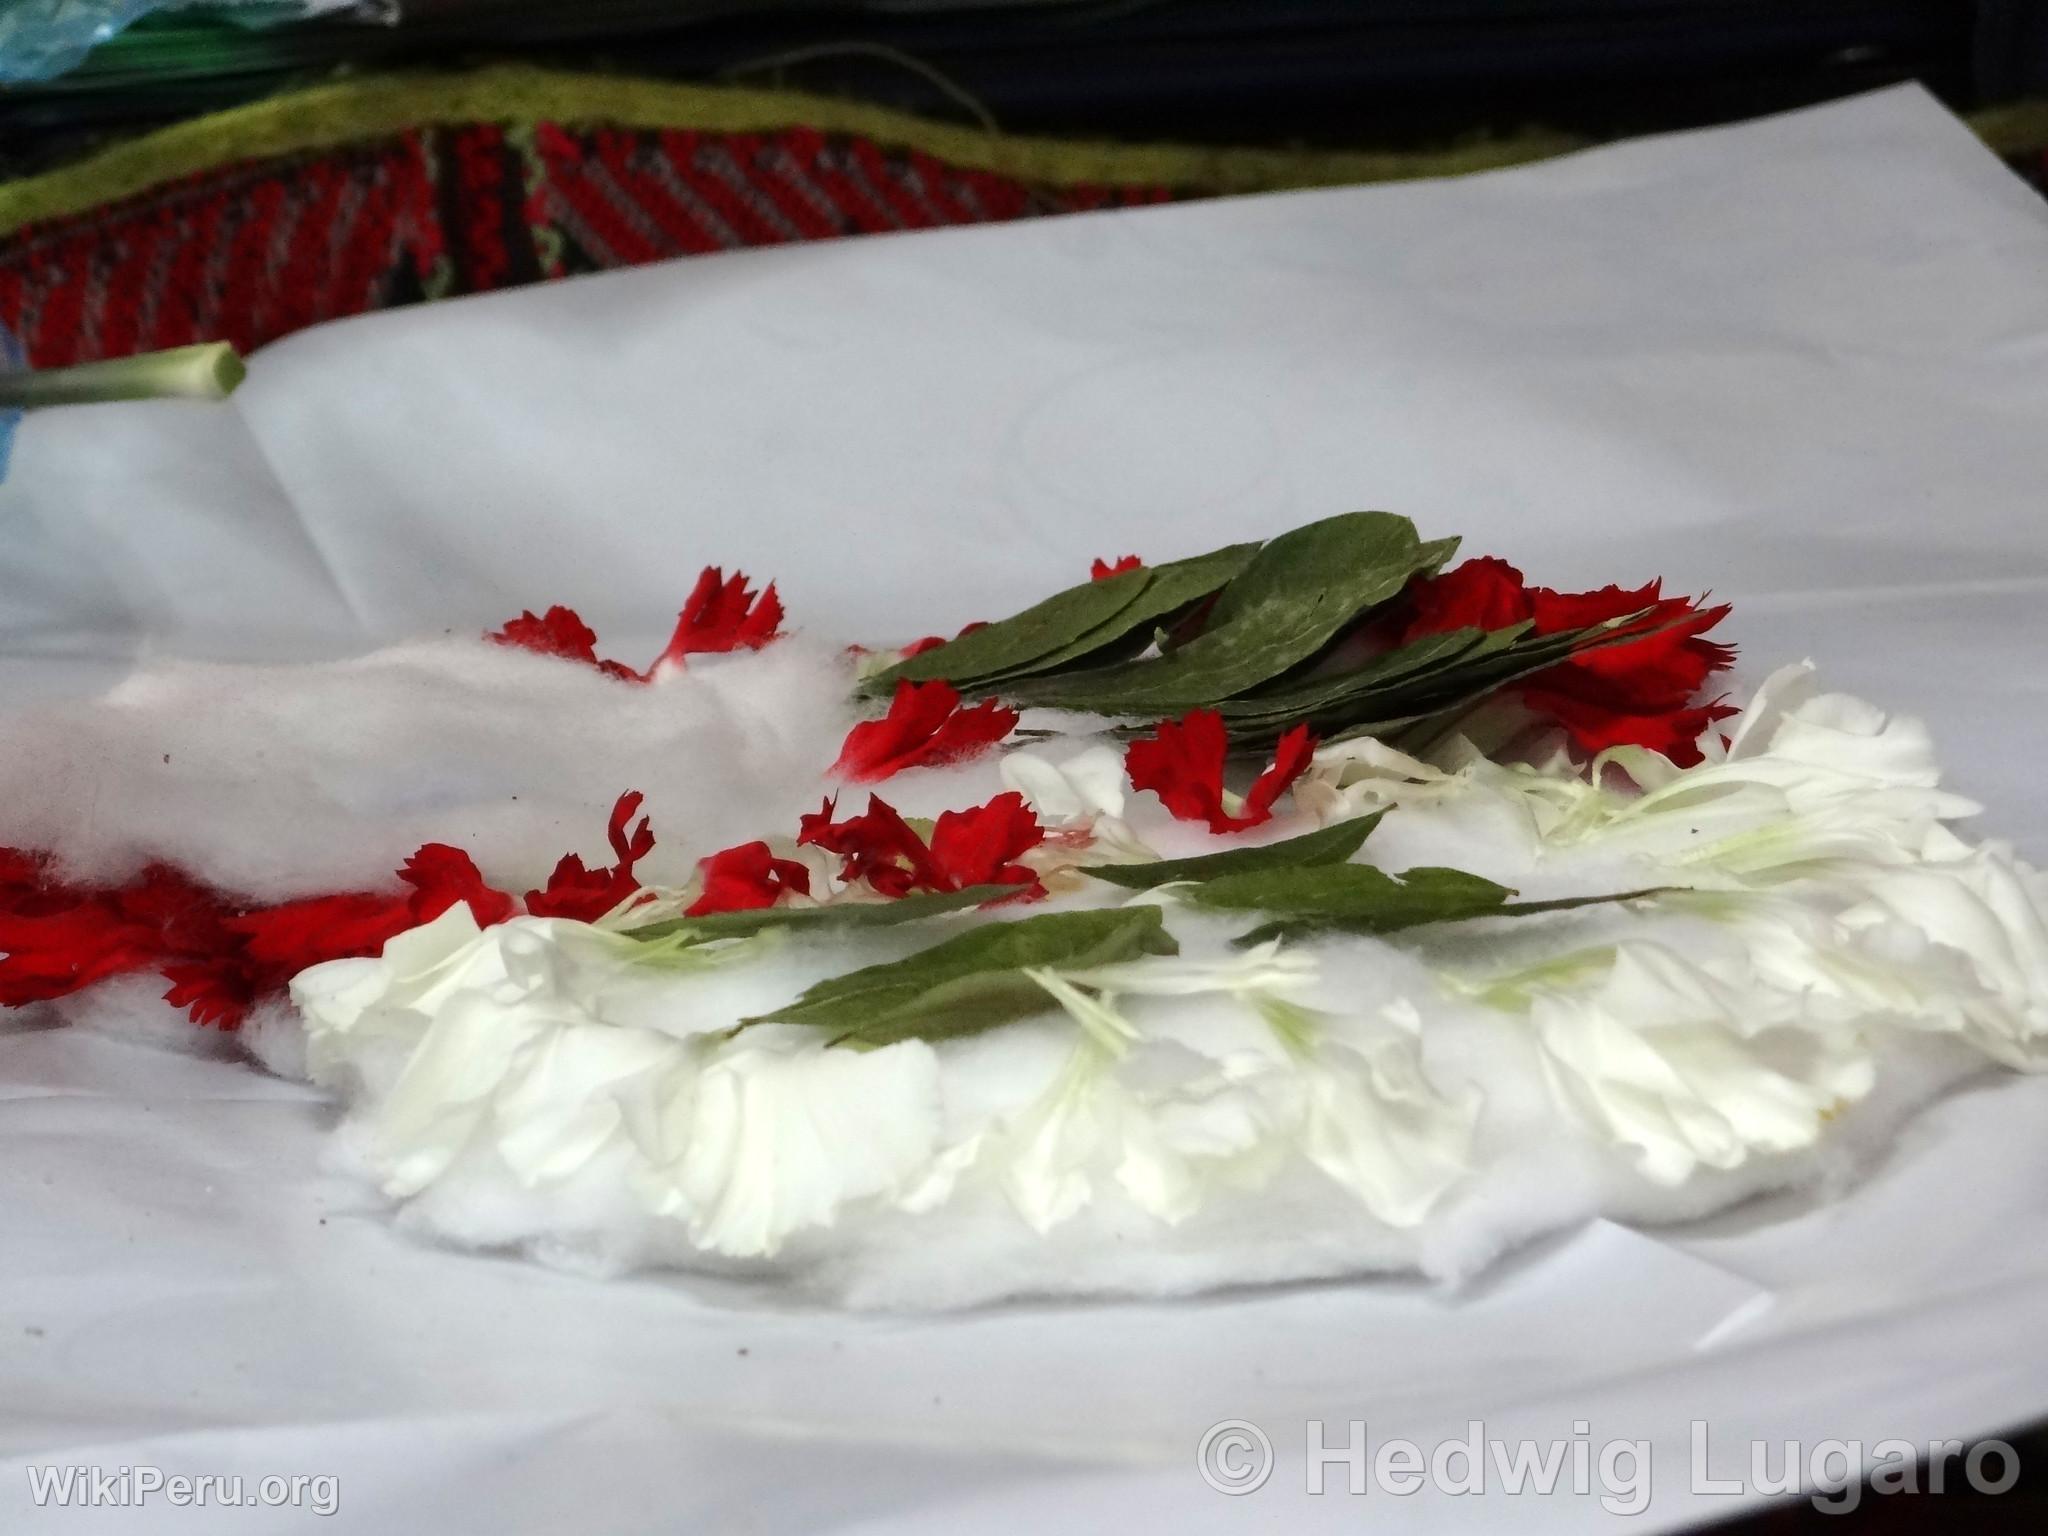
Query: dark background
(1378, 73)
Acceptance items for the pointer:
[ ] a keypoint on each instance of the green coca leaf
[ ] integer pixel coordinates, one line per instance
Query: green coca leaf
(972, 982)
(1326, 845)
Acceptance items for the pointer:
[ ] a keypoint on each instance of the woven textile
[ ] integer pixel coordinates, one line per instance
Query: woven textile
(255, 250)
(373, 193)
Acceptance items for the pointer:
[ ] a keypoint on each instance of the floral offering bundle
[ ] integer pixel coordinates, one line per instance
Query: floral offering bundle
(1309, 907)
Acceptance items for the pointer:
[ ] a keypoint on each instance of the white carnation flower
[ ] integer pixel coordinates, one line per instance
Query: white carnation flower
(505, 1047)
(778, 1131)
(1989, 910)
(1375, 1124)
(1690, 1070)
(1171, 1127)
(502, 1044)
(1806, 778)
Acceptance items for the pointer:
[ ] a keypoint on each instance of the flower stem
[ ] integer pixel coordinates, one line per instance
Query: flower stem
(209, 371)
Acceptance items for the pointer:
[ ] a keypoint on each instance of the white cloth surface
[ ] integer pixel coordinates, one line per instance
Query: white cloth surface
(1802, 361)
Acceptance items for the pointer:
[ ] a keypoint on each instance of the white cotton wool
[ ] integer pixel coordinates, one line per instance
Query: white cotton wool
(132, 1008)
(275, 1037)
(273, 782)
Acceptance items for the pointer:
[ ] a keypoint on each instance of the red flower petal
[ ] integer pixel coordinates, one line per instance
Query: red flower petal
(279, 942)
(925, 727)
(745, 878)
(1554, 611)
(184, 915)
(58, 953)
(561, 633)
(1594, 728)
(629, 850)
(1183, 765)
(1102, 570)
(222, 957)
(214, 993)
(1479, 594)
(584, 894)
(971, 847)
(933, 642)
(61, 938)
(879, 848)
(1632, 692)
(981, 846)
(220, 965)
(814, 828)
(23, 873)
(721, 615)
(440, 876)
(1291, 756)
(718, 615)
(574, 890)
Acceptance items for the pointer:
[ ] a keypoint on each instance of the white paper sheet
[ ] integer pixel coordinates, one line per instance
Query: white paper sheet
(1803, 362)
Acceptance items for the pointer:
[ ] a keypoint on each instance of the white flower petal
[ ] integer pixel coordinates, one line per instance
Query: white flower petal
(1265, 968)
(1374, 1123)
(1986, 908)
(1689, 1071)
(780, 1137)
(1084, 786)
(1043, 1154)
(1350, 778)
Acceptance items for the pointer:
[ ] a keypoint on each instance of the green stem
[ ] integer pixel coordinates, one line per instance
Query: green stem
(1571, 903)
(209, 371)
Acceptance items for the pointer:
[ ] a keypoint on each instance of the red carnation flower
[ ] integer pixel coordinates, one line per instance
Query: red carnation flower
(1671, 659)
(1622, 693)
(745, 878)
(1102, 570)
(1594, 727)
(924, 728)
(251, 955)
(574, 891)
(1632, 692)
(257, 952)
(1183, 765)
